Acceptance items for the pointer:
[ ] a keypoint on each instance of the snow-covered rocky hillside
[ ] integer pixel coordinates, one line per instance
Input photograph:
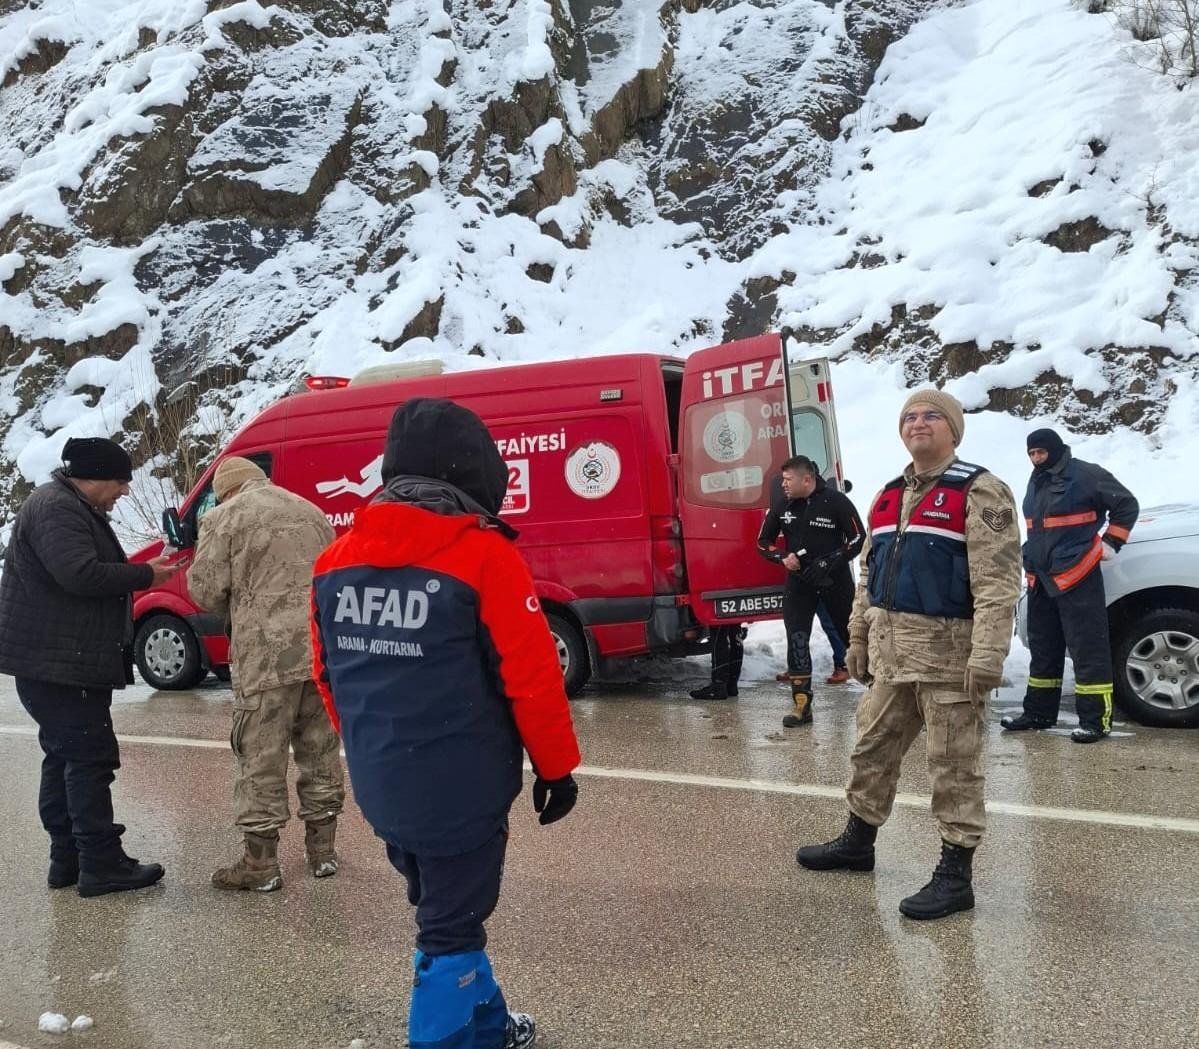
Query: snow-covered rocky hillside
(200, 201)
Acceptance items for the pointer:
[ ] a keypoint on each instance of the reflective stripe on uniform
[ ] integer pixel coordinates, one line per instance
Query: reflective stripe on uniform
(1066, 520)
(1075, 575)
(1044, 682)
(1118, 532)
(1104, 691)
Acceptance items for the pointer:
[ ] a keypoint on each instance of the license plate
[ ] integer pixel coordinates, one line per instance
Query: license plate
(748, 605)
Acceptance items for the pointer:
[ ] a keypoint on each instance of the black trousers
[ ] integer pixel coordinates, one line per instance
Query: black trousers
(453, 895)
(80, 763)
(1075, 620)
(728, 652)
(799, 609)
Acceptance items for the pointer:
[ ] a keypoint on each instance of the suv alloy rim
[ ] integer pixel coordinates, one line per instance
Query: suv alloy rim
(1163, 669)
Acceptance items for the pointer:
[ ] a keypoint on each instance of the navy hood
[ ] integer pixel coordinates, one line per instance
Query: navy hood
(438, 439)
(1051, 442)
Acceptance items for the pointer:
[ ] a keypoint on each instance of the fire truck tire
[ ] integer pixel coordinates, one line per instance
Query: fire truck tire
(167, 653)
(572, 651)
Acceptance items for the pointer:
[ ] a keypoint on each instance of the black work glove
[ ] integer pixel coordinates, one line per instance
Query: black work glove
(562, 794)
(819, 572)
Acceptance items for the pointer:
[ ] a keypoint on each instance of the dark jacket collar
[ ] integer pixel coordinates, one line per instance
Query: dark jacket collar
(63, 480)
(440, 497)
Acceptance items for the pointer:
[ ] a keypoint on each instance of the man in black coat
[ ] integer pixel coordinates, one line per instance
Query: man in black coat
(66, 635)
(822, 533)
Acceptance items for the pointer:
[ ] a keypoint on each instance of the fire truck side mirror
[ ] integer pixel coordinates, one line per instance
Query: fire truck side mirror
(176, 532)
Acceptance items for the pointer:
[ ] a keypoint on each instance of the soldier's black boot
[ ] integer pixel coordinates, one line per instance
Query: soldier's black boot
(852, 850)
(949, 891)
(1024, 722)
(801, 696)
(712, 691)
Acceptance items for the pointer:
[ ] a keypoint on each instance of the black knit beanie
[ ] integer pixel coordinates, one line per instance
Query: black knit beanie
(1051, 442)
(433, 437)
(96, 459)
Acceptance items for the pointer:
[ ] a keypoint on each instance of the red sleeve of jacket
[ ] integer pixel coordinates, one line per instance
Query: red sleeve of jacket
(530, 673)
(319, 673)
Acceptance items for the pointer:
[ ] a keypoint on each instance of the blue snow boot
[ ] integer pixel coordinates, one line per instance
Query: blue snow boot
(456, 1003)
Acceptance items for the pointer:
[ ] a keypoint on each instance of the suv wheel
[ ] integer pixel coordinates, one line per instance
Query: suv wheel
(167, 653)
(1156, 668)
(572, 652)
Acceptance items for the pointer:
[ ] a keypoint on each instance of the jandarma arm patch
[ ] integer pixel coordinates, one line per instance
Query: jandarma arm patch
(997, 520)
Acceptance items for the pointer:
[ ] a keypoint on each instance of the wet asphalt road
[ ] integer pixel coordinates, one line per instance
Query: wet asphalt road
(666, 911)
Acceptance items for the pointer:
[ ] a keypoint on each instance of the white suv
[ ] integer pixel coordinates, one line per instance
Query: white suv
(1153, 610)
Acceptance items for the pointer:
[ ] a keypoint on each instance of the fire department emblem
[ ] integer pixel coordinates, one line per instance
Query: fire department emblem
(593, 469)
(727, 436)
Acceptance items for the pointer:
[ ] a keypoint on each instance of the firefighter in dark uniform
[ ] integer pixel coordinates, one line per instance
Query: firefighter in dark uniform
(1067, 503)
(822, 533)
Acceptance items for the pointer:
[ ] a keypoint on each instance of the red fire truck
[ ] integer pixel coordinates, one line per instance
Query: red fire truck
(637, 483)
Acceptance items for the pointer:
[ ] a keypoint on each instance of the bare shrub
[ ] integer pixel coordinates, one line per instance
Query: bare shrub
(1169, 27)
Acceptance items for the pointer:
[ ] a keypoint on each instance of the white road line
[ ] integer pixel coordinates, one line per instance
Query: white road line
(766, 786)
(817, 790)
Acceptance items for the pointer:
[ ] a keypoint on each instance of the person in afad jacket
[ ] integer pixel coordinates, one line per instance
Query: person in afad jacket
(66, 635)
(1066, 507)
(437, 665)
(931, 626)
(253, 566)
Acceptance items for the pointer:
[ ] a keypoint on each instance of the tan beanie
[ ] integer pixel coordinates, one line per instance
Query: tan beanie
(232, 473)
(945, 403)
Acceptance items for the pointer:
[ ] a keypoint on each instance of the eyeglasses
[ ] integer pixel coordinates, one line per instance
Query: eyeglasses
(928, 417)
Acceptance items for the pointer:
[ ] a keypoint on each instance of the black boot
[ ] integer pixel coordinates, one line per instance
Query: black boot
(801, 696)
(1088, 734)
(64, 862)
(1024, 722)
(852, 850)
(96, 878)
(710, 692)
(738, 657)
(63, 873)
(948, 892)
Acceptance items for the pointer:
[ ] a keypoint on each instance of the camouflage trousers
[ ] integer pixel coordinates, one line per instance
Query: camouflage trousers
(265, 725)
(890, 717)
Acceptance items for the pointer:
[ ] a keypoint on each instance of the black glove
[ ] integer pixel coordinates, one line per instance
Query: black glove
(819, 572)
(563, 793)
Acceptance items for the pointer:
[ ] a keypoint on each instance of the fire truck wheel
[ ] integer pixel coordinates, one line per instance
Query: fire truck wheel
(572, 652)
(167, 653)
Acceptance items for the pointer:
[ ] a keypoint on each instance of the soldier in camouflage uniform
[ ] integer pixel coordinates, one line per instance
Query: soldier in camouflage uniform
(931, 626)
(253, 565)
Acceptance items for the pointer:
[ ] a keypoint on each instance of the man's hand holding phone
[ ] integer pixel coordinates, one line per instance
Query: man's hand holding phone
(163, 569)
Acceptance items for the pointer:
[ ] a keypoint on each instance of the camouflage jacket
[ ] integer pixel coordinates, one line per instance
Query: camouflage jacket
(904, 646)
(253, 565)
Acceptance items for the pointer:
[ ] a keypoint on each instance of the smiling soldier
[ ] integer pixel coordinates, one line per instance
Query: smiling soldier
(931, 626)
